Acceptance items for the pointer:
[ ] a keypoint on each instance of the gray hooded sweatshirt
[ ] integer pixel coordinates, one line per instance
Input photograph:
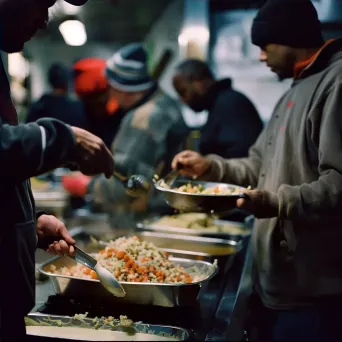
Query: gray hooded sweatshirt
(297, 257)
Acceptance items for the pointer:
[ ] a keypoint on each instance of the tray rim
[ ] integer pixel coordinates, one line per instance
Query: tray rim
(172, 191)
(175, 285)
(147, 223)
(86, 319)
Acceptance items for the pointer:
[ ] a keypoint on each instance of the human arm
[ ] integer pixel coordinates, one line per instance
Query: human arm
(321, 199)
(241, 171)
(53, 236)
(27, 150)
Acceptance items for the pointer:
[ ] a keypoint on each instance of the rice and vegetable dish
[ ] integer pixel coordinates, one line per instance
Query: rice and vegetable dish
(199, 189)
(132, 260)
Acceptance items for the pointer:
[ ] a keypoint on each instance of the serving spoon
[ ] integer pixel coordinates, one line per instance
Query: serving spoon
(136, 185)
(107, 279)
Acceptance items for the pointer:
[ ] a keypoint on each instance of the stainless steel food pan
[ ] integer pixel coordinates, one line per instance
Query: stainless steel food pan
(151, 332)
(224, 229)
(200, 202)
(167, 295)
(196, 247)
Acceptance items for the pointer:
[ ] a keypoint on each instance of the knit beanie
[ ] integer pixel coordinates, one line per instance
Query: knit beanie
(292, 23)
(127, 69)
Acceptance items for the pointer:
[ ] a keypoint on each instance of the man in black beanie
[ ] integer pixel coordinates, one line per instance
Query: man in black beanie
(296, 167)
(287, 31)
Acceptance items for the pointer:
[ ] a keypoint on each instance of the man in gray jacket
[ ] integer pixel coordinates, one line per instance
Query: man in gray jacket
(28, 150)
(296, 168)
(150, 134)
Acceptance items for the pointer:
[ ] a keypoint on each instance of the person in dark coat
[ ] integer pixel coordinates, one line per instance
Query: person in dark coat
(28, 150)
(59, 104)
(233, 123)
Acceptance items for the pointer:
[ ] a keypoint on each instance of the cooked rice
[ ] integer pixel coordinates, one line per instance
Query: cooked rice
(132, 260)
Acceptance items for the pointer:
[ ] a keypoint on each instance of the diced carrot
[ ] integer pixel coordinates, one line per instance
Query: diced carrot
(86, 270)
(151, 269)
(134, 266)
(160, 279)
(110, 253)
(142, 269)
(158, 273)
(117, 273)
(129, 263)
(145, 259)
(126, 257)
(102, 251)
(188, 280)
(166, 254)
(131, 272)
(120, 255)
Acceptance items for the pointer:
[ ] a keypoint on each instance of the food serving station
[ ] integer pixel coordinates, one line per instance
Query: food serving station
(196, 310)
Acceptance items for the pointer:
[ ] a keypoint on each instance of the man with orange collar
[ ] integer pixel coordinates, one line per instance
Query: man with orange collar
(296, 167)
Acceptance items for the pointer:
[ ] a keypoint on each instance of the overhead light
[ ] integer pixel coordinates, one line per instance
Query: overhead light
(193, 33)
(73, 32)
(62, 8)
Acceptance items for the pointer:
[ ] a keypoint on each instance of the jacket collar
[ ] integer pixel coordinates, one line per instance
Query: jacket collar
(329, 53)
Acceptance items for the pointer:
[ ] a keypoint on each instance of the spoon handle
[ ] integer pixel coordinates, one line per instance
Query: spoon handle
(84, 258)
(119, 176)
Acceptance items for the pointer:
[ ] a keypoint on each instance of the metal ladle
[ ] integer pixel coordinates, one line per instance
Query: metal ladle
(136, 185)
(107, 279)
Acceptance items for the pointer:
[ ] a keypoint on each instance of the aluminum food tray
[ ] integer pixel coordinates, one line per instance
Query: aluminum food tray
(150, 225)
(199, 202)
(196, 247)
(153, 331)
(166, 295)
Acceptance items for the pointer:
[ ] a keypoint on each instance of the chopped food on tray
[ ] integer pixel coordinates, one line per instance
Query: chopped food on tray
(199, 189)
(132, 260)
(124, 321)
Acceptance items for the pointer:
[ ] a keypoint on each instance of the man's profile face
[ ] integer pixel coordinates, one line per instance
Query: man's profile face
(189, 93)
(279, 58)
(20, 20)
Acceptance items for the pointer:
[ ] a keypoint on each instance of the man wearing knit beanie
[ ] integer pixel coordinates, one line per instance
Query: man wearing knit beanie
(287, 31)
(152, 131)
(295, 168)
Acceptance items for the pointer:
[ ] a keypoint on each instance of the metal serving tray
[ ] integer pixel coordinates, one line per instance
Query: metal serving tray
(190, 247)
(153, 332)
(166, 295)
(198, 202)
(196, 247)
(221, 231)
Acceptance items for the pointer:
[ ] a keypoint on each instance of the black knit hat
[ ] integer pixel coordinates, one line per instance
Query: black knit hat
(292, 23)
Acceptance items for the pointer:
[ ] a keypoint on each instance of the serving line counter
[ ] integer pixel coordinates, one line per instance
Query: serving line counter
(207, 318)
